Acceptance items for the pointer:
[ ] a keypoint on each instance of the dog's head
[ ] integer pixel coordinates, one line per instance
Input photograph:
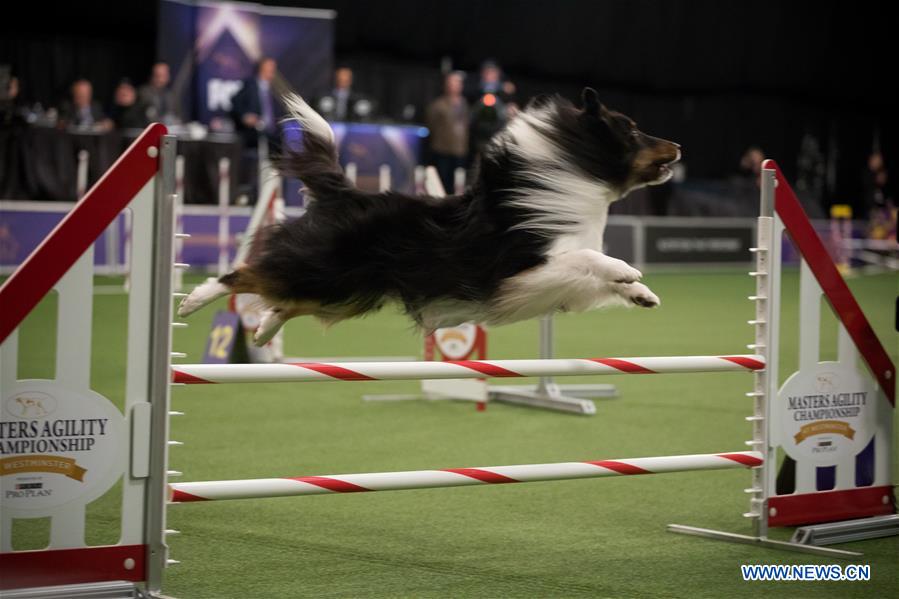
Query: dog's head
(608, 145)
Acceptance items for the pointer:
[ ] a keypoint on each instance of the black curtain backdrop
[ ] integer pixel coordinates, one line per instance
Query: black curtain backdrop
(715, 76)
(51, 44)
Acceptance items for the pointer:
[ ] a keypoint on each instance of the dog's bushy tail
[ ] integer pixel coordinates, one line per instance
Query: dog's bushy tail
(315, 164)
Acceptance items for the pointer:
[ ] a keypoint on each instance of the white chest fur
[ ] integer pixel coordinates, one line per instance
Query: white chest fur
(587, 235)
(566, 204)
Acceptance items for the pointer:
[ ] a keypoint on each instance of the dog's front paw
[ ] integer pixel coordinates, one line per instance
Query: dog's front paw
(639, 294)
(619, 271)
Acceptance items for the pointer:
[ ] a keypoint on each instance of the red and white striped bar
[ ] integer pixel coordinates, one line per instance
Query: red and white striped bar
(193, 374)
(453, 477)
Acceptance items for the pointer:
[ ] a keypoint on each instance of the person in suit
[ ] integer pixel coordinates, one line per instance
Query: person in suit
(344, 103)
(156, 98)
(254, 108)
(81, 111)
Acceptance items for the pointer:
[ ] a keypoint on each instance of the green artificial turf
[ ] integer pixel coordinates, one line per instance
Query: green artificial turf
(590, 538)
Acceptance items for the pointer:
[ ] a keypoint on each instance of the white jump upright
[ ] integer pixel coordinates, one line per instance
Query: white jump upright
(832, 419)
(180, 235)
(71, 443)
(224, 228)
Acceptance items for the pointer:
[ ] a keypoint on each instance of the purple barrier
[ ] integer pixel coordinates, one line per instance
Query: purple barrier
(23, 225)
(202, 248)
(21, 231)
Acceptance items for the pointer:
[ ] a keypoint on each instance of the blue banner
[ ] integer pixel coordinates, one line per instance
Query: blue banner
(212, 47)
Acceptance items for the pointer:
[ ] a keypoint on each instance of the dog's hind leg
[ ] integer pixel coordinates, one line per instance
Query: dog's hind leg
(203, 294)
(276, 315)
(237, 281)
(271, 322)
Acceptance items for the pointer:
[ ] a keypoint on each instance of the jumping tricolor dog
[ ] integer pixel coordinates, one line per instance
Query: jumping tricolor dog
(524, 240)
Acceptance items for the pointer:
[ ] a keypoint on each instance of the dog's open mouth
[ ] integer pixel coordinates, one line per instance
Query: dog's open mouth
(665, 170)
(665, 167)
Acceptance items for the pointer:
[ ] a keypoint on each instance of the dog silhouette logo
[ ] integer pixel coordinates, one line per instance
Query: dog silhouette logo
(31, 404)
(826, 382)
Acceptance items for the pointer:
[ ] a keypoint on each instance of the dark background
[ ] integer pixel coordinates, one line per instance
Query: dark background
(714, 76)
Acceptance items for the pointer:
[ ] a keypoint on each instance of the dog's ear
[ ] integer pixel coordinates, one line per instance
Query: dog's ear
(591, 102)
(539, 101)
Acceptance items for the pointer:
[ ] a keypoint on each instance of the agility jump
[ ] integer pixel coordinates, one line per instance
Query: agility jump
(143, 180)
(764, 509)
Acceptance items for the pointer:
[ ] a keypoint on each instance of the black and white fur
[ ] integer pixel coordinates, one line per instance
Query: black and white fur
(523, 241)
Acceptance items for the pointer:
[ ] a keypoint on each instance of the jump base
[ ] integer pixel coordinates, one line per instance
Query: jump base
(847, 531)
(93, 590)
(573, 399)
(732, 537)
(537, 398)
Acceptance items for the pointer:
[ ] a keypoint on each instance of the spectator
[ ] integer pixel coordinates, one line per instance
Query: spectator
(811, 176)
(874, 182)
(878, 207)
(254, 108)
(10, 100)
(751, 166)
(82, 111)
(345, 104)
(156, 98)
(126, 113)
(492, 105)
(448, 120)
(491, 81)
